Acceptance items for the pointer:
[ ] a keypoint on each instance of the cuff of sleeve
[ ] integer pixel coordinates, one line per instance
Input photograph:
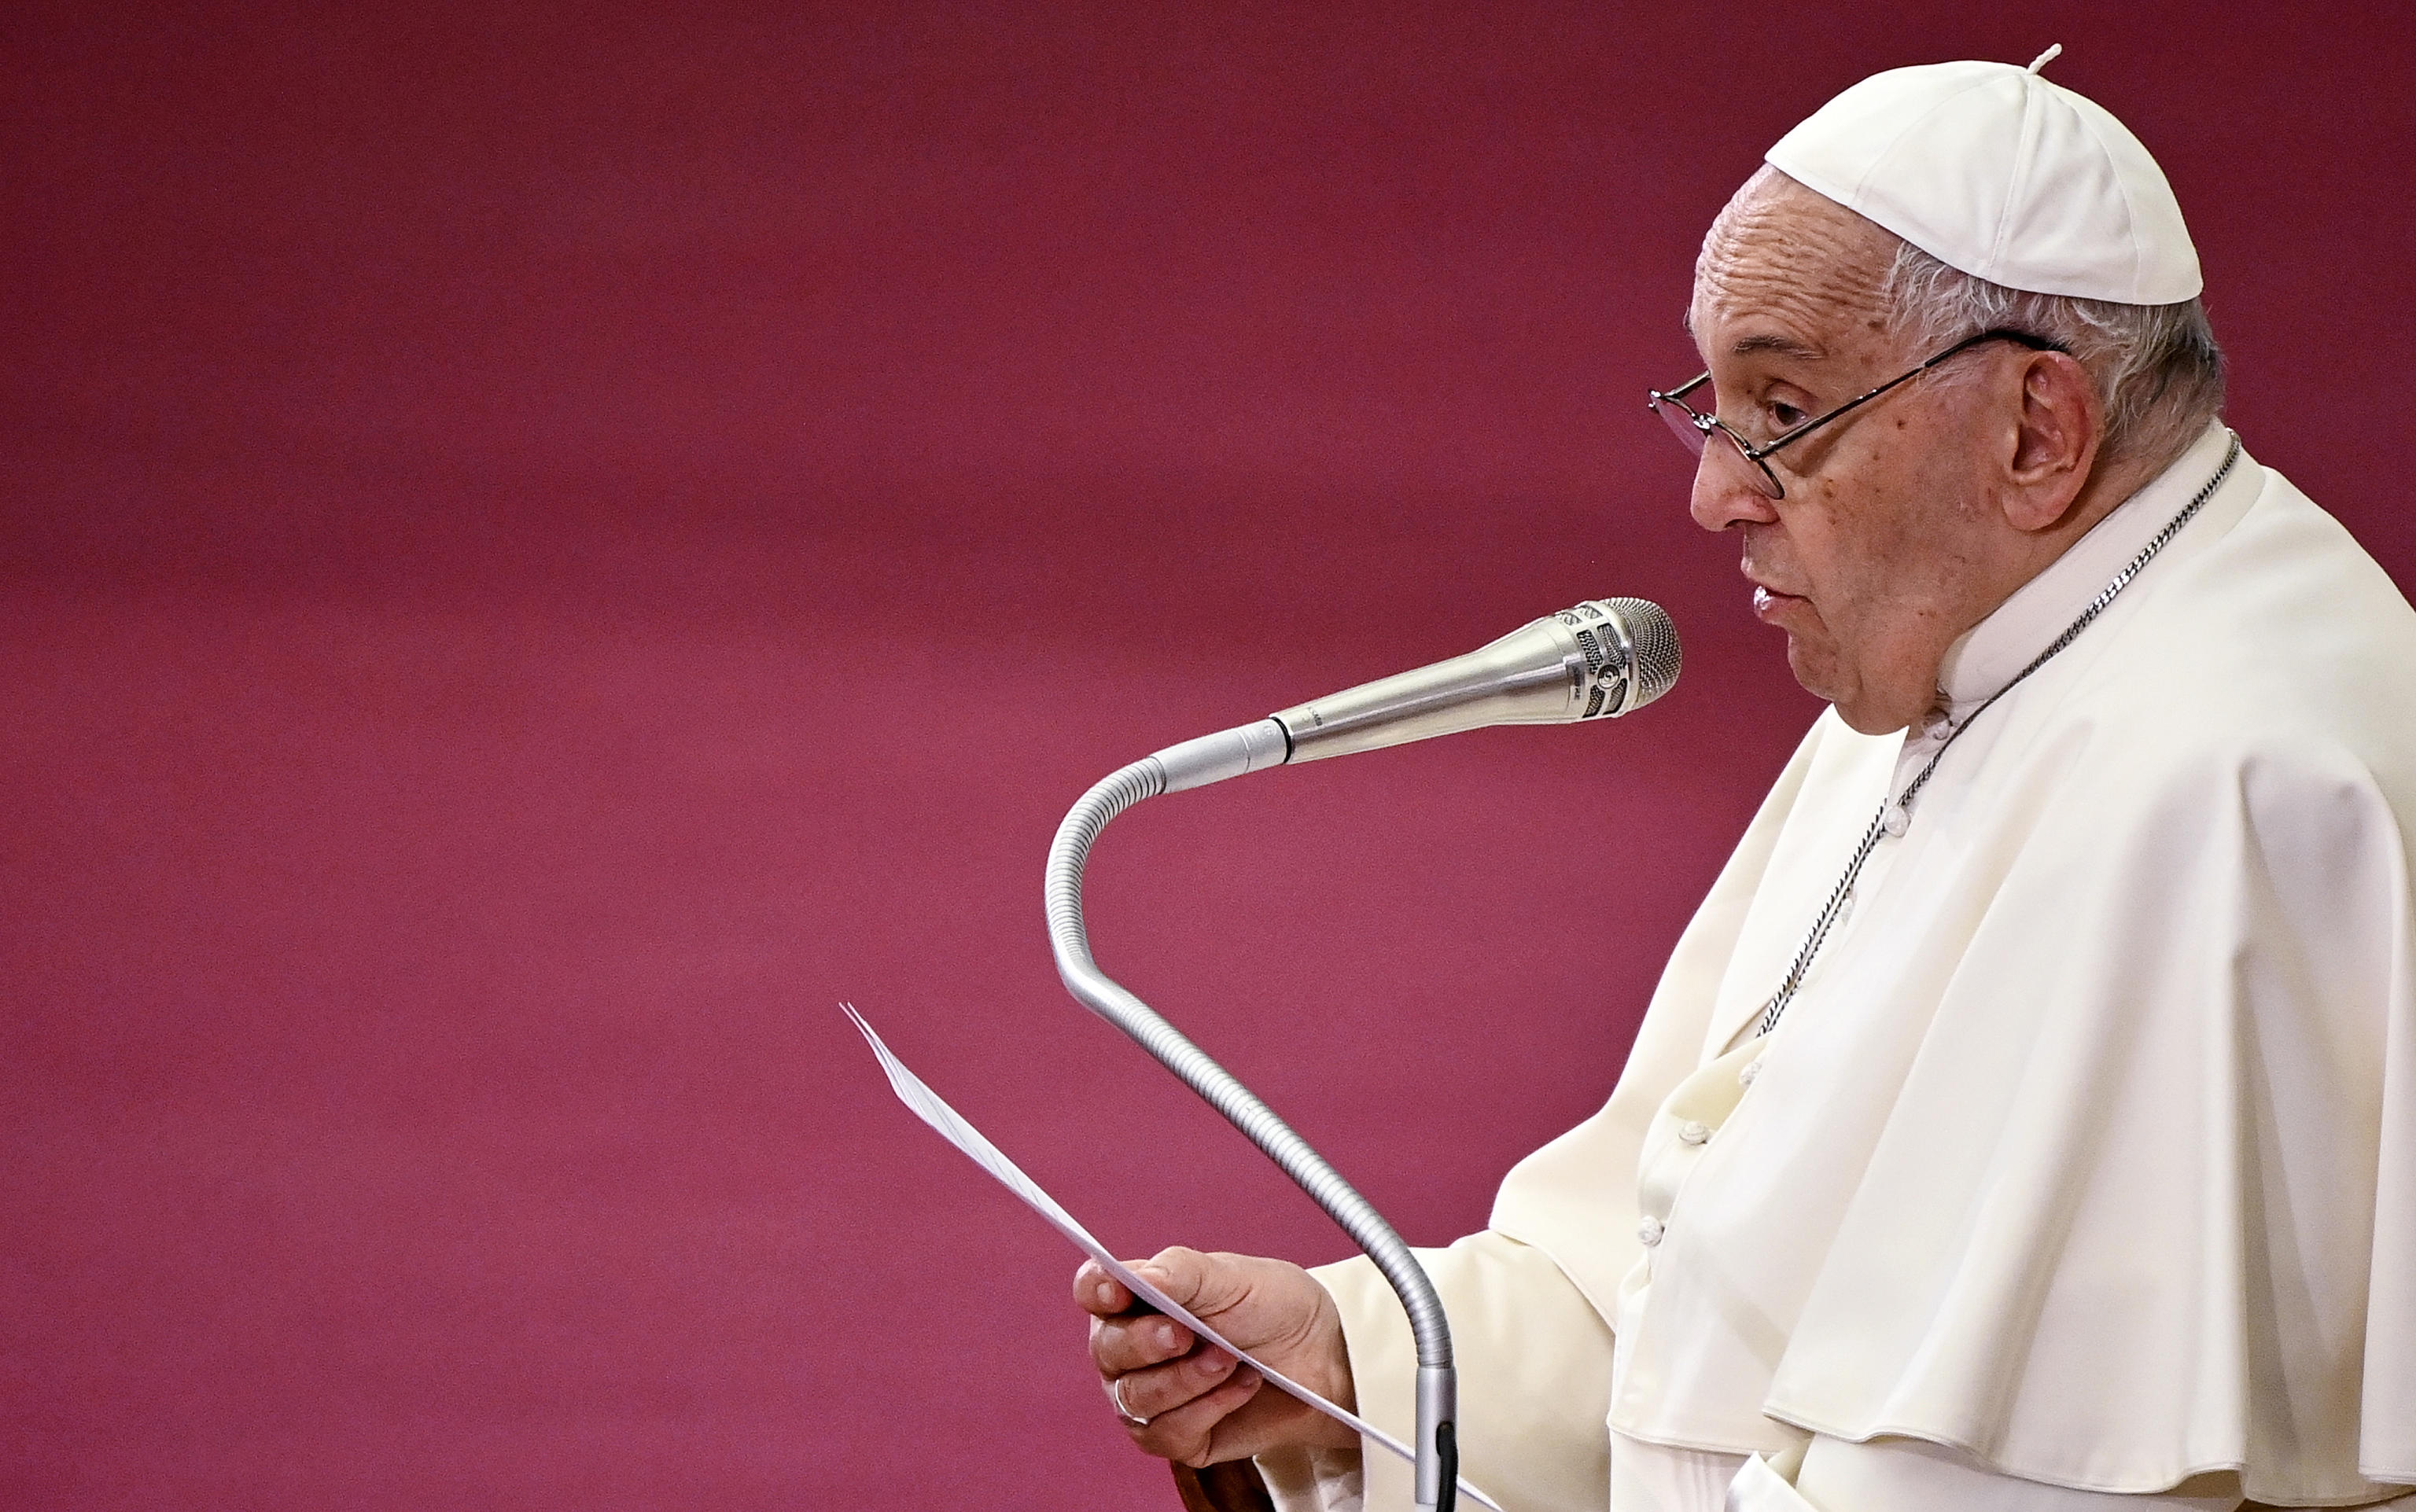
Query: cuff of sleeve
(1534, 1374)
(1767, 1483)
(1313, 1480)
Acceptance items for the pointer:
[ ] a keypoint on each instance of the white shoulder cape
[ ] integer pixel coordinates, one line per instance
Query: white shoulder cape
(2091, 1148)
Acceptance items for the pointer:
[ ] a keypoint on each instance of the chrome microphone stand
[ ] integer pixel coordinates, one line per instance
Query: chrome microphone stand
(1599, 660)
(1438, 1457)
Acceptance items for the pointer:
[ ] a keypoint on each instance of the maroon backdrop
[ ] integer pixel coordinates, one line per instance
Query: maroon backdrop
(548, 545)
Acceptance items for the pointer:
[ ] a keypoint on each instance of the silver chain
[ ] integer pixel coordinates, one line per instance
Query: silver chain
(1820, 927)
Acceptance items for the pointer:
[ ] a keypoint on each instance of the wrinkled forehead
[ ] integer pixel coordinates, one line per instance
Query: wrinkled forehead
(1783, 256)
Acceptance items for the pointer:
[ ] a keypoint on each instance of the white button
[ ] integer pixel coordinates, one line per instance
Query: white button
(1694, 1133)
(1897, 822)
(1747, 1072)
(1846, 907)
(1648, 1232)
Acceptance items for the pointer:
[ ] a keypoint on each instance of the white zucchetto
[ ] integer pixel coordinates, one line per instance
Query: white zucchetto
(1996, 171)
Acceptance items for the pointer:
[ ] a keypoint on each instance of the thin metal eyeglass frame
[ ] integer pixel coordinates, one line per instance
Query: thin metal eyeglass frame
(1704, 425)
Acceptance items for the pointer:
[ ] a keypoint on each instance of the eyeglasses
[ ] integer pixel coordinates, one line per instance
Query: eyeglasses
(1694, 429)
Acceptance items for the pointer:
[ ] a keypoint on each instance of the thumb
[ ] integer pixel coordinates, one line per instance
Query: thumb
(1204, 1284)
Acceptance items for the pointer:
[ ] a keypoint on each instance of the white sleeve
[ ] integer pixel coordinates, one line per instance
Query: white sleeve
(1534, 1384)
(1911, 1475)
(1313, 1480)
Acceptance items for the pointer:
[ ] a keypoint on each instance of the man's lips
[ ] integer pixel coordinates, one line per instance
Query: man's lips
(1768, 603)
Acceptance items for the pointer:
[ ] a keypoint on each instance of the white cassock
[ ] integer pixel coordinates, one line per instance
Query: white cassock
(2083, 1165)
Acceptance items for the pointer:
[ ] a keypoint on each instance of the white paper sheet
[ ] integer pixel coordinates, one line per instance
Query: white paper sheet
(928, 1106)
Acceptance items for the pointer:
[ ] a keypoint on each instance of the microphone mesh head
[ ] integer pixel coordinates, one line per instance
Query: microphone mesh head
(1657, 657)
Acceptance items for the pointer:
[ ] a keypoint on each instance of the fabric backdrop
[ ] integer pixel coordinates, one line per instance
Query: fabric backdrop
(548, 544)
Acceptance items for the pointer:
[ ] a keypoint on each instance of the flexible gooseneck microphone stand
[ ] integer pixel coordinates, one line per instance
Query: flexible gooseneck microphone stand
(1601, 659)
(1438, 1455)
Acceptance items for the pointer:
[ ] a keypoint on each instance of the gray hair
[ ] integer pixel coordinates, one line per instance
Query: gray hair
(2157, 370)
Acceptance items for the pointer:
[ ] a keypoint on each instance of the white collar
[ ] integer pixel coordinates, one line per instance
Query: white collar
(1991, 653)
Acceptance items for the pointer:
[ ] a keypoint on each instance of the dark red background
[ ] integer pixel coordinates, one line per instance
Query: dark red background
(548, 545)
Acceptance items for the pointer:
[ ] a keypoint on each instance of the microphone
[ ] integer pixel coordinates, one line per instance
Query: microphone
(1604, 658)
(1601, 659)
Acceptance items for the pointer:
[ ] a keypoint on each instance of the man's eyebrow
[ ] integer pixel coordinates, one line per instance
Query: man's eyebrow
(1786, 345)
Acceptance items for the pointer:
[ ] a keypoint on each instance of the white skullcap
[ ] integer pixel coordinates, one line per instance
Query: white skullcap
(1994, 170)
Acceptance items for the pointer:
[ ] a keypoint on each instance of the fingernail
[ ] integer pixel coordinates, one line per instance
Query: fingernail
(1216, 1364)
(1105, 1291)
(1167, 1337)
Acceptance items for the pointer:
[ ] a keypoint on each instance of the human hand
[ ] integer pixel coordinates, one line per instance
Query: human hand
(1185, 1400)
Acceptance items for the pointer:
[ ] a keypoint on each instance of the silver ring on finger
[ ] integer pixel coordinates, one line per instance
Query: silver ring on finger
(1116, 1396)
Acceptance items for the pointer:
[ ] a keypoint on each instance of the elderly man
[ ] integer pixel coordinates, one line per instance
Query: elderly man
(2027, 1119)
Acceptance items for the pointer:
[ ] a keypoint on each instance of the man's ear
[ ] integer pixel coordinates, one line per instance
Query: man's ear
(2055, 441)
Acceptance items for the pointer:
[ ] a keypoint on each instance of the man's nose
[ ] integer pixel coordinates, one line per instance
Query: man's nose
(1727, 492)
